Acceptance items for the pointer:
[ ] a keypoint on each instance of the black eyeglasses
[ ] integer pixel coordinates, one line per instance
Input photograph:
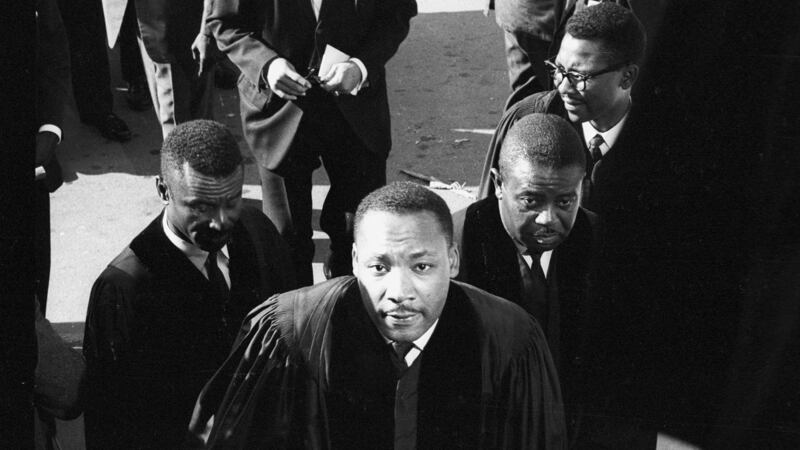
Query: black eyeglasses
(577, 79)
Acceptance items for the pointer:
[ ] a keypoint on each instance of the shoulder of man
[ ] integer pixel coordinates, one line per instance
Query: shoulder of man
(299, 315)
(505, 326)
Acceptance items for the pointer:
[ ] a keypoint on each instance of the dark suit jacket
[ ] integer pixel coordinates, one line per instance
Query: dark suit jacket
(53, 85)
(489, 261)
(167, 27)
(154, 336)
(253, 33)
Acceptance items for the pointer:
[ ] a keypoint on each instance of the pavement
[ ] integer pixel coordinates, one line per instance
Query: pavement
(447, 85)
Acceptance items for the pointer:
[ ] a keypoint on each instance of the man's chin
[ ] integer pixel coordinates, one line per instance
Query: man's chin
(544, 244)
(212, 244)
(400, 333)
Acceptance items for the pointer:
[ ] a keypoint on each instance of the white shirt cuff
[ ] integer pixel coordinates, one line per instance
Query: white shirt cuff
(51, 128)
(363, 70)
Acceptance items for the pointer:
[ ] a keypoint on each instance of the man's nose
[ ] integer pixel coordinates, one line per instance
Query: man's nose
(399, 287)
(546, 216)
(564, 86)
(222, 219)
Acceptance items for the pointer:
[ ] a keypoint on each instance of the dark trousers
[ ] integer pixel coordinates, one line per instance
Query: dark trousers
(129, 57)
(354, 171)
(525, 56)
(91, 80)
(41, 242)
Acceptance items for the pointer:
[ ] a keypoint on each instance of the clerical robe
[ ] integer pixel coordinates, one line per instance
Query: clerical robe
(310, 370)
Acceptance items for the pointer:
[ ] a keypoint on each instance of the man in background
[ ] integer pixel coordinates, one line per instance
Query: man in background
(163, 315)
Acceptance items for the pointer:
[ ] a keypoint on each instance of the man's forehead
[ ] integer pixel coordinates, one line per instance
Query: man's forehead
(388, 224)
(194, 181)
(529, 173)
(576, 48)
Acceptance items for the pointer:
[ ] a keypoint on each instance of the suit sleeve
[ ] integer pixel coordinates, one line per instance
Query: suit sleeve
(52, 64)
(388, 30)
(234, 24)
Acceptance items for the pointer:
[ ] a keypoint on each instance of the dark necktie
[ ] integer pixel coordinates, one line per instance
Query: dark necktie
(534, 288)
(400, 350)
(594, 148)
(218, 287)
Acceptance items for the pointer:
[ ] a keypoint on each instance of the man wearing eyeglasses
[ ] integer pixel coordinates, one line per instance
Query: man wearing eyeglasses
(631, 183)
(594, 72)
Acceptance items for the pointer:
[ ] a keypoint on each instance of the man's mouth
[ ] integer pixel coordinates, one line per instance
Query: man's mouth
(400, 315)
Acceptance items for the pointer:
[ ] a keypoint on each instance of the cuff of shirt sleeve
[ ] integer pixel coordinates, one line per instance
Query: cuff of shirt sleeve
(363, 70)
(51, 128)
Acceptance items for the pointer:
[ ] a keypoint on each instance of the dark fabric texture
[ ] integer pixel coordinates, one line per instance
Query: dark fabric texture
(91, 77)
(52, 95)
(309, 364)
(167, 28)
(155, 331)
(253, 33)
(490, 261)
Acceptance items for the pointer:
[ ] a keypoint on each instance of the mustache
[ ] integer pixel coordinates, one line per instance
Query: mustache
(401, 311)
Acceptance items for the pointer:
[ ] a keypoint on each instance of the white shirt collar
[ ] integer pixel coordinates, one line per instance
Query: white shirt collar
(419, 344)
(609, 137)
(195, 254)
(544, 259)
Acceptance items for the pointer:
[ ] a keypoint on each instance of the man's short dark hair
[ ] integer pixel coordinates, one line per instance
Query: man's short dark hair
(405, 197)
(615, 27)
(208, 147)
(545, 140)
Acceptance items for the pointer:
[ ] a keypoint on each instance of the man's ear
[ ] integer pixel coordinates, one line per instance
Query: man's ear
(630, 76)
(161, 187)
(498, 183)
(354, 255)
(455, 260)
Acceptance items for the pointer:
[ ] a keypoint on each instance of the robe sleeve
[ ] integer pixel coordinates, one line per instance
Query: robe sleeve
(114, 392)
(533, 415)
(255, 399)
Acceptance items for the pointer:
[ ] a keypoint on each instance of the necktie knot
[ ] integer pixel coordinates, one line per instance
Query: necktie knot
(594, 147)
(401, 349)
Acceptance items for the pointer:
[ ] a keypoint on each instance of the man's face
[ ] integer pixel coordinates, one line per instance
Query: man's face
(203, 210)
(538, 205)
(607, 96)
(403, 264)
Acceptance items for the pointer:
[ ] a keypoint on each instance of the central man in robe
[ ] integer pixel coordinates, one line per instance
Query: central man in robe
(399, 356)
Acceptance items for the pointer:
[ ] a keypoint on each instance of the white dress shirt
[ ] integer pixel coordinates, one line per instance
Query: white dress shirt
(419, 344)
(609, 137)
(196, 255)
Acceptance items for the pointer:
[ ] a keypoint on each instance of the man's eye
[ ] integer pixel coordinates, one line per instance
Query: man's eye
(423, 267)
(566, 203)
(528, 202)
(380, 268)
(200, 208)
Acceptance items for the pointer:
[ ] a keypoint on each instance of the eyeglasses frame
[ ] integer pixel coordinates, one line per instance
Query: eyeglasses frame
(581, 78)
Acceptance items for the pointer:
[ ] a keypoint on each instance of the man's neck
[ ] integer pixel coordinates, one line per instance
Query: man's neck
(613, 118)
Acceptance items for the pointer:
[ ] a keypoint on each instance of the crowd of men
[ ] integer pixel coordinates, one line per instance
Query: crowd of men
(543, 315)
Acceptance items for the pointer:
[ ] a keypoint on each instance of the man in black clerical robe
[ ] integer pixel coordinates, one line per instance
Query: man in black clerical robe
(398, 357)
(532, 243)
(163, 315)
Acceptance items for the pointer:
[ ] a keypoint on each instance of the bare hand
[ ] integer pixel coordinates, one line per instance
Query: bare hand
(342, 78)
(46, 143)
(284, 81)
(200, 51)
